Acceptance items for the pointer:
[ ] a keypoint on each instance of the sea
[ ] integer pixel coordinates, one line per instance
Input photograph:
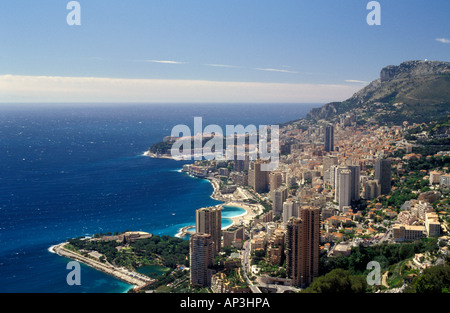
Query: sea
(74, 170)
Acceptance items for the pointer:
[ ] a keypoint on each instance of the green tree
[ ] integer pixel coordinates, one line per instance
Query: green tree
(435, 279)
(406, 251)
(338, 281)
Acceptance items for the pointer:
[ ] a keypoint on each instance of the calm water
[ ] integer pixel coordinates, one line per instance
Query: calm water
(78, 170)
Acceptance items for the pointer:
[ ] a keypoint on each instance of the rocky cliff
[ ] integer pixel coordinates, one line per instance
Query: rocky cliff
(415, 87)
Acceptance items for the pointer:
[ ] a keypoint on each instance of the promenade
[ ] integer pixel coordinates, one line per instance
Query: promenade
(125, 275)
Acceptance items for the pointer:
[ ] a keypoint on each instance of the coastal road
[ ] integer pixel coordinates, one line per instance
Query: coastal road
(246, 264)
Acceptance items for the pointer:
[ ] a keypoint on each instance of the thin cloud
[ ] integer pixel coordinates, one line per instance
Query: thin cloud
(275, 70)
(354, 81)
(443, 40)
(164, 62)
(222, 65)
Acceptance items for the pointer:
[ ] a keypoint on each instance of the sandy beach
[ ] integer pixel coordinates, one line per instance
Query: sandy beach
(236, 199)
(138, 280)
(252, 210)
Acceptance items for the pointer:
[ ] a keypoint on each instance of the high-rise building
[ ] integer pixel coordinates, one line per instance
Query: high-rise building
(201, 259)
(383, 175)
(257, 178)
(344, 192)
(209, 221)
(371, 189)
(347, 188)
(290, 209)
(275, 181)
(302, 246)
(279, 196)
(335, 179)
(332, 174)
(329, 138)
(355, 182)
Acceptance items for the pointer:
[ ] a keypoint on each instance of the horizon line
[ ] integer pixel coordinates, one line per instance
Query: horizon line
(66, 89)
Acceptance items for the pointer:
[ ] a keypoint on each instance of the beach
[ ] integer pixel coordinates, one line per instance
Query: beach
(236, 199)
(251, 211)
(138, 280)
(137, 193)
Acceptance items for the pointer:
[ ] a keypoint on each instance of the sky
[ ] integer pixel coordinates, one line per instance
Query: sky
(290, 51)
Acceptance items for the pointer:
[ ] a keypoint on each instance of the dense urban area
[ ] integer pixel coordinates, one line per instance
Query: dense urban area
(358, 202)
(346, 194)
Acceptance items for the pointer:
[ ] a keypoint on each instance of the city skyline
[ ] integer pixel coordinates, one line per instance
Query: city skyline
(209, 52)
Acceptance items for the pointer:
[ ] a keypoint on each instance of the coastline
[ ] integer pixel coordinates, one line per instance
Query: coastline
(251, 210)
(138, 280)
(135, 279)
(231, 200)
(160, 156)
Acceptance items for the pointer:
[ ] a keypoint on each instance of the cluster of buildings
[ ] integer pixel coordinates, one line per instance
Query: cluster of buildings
(296, 242)
(323, 174)
(205, 244)
(416, 220)
(440, 178)
(197, 170)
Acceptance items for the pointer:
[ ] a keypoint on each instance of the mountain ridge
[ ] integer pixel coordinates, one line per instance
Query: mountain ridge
(413, 91)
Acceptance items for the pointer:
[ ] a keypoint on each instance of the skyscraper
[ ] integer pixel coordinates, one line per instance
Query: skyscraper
(332, 171)
(344, 192)
(275, 181)
(209, 221)
(290, 209)
(329, 138)
(201, 259)
(335, 179)
(383, 175)
(347, 184)
(302, 246)
(371, 189)
(257, 178)
(279, 196)
(355, 182)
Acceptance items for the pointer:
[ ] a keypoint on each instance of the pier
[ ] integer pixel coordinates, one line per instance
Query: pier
(186, 231)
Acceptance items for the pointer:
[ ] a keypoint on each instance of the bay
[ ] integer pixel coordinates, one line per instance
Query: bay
(76, 170)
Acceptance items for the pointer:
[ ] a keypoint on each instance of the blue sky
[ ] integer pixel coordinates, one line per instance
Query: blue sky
(210, 50)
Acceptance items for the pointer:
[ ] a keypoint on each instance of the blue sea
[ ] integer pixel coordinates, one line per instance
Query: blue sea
(74, 170)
